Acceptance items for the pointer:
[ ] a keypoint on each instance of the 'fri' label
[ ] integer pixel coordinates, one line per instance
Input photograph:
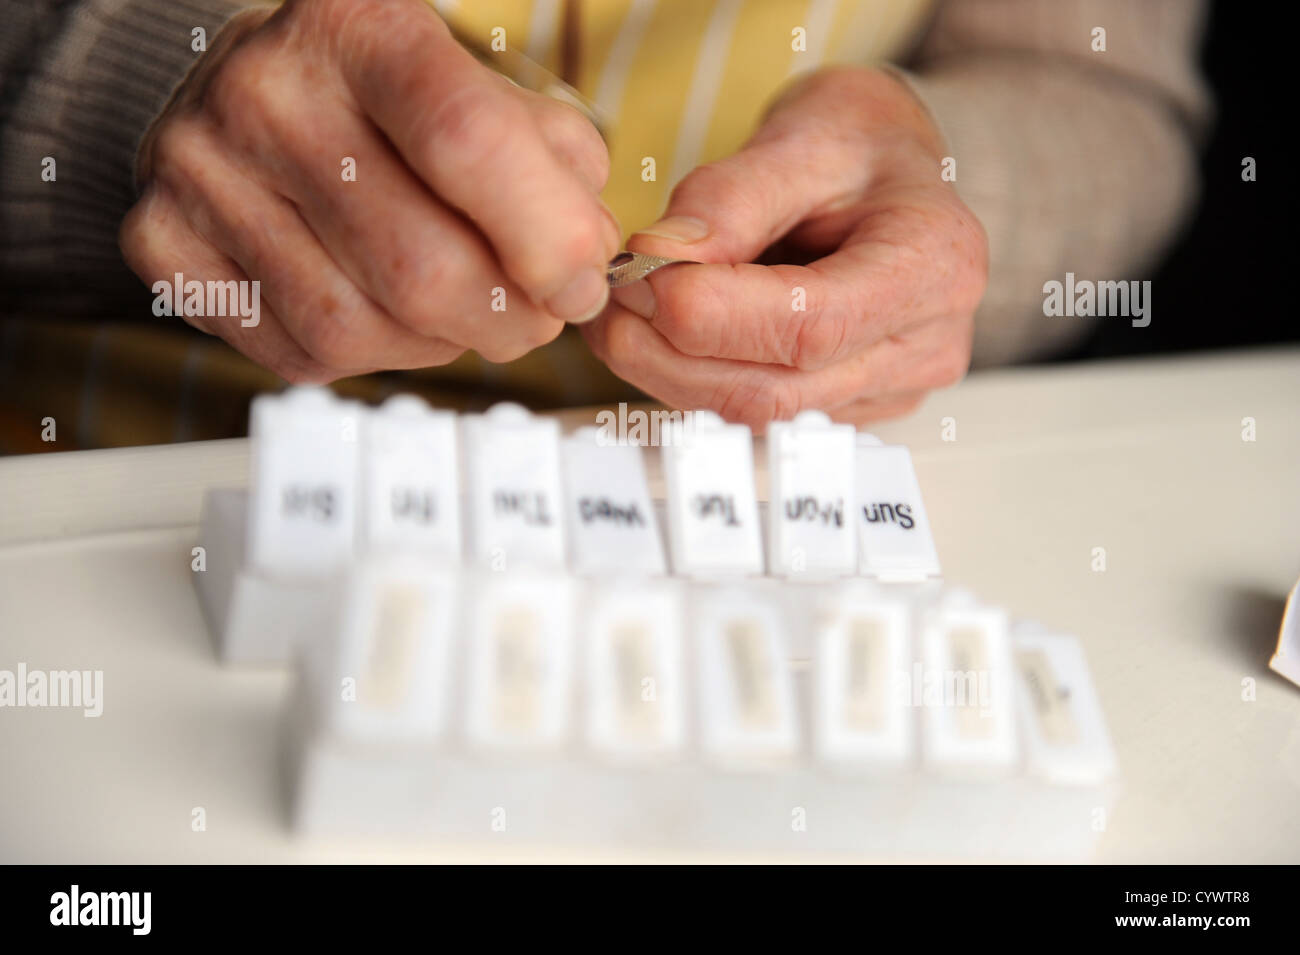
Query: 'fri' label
(409, 477)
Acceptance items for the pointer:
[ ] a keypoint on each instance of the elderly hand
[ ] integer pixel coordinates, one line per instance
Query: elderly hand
(468, 193)
(844, 175)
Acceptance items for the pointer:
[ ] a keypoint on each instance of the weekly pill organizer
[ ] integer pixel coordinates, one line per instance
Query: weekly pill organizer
(497, 630)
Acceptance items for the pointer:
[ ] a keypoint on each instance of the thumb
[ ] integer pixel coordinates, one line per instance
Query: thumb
(731, 210)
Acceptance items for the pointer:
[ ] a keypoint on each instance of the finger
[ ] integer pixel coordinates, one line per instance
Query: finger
(158, 243)
(805, 317)
(733, 209)
(416, 259)
(572, 138)
(933, 356)
(319, 306)
(479, 148)
(883, 280)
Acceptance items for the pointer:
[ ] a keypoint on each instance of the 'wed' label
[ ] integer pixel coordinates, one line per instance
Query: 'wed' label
(612, 523)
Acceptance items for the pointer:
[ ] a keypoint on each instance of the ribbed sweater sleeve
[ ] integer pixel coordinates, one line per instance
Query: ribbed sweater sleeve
(80, 82)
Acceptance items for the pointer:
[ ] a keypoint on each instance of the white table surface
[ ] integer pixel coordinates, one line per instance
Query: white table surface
(1143, 458)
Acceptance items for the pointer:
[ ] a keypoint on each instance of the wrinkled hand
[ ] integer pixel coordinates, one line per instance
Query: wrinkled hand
(845, 175)
(464, 184)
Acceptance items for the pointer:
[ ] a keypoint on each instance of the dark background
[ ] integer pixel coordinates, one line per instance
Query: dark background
(1228, 281)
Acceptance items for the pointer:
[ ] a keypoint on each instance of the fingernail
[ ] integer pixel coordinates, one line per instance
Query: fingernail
(582, 299)
(678, 228)
(638, 297)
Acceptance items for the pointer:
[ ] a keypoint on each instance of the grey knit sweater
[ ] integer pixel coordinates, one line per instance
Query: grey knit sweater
(82, 79)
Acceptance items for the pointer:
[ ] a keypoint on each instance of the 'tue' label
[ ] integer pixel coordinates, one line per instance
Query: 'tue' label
(304, 461)
(894, 536)
(712, 507)
(513, 472)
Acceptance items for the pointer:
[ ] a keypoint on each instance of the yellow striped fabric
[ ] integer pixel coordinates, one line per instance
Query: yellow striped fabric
(686, 81)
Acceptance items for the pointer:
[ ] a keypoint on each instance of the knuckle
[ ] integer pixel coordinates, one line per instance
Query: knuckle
(134, 238)
(327, 25)
(818, 338)
(446, 353)
(252, 98)
(336, 16)
(614, 342)
(575, 137)
(979, 241)
(517, 345)
(783, 403)
(179, 149)
(237, 88)
(671, 321)
(416, 282)
(329, 340)
(301, 370)
(468, 127)
(949, 367)
(543, 331)
(148, 233)
(501, 352)
(749, 400)
(715, 185)
(906, 406)
(838, 81)
(691, 314)
(547, 263)
(582, 241)
(971, 248)
(566, 122)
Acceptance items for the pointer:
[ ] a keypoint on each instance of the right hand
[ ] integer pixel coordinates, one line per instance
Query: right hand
(464, 184)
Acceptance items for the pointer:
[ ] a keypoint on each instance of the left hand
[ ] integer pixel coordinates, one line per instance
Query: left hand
(845, 175)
